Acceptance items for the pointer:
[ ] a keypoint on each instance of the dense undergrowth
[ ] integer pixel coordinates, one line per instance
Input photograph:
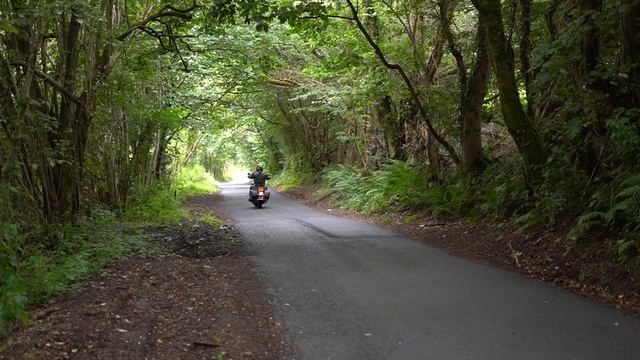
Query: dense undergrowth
(289, 179)
(562, 199)
(161, 203)
(37, 261)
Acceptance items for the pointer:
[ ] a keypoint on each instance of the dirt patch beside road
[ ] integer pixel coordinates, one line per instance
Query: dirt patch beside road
(199, 299)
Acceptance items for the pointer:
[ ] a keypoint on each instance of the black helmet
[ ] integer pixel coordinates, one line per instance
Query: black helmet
(259, 168)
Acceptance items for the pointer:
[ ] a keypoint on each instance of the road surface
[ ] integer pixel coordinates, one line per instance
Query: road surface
(347, 291)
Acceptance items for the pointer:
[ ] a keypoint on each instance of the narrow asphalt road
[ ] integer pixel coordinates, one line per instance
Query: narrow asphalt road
(348, 291)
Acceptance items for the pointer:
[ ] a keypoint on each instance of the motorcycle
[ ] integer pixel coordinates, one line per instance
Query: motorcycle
(259, 195)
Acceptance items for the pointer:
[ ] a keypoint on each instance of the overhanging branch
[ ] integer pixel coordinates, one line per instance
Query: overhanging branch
(279, 82)
(166, 11)
(326, 17)
(66, 92)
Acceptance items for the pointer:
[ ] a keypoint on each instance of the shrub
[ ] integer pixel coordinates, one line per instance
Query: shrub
(31, 272)
(501, 191)
(13, 294)
(558, 195)
(157, 204)
(194, 180)
(618, 212)
(162, 202)
(450, 199)
(289, 179)
(395, 186)
(212, 220)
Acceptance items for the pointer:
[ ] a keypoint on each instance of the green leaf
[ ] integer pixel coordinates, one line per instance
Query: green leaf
(7, 27)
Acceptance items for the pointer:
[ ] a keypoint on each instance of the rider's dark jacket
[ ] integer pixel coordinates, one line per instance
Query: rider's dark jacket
(259, 178)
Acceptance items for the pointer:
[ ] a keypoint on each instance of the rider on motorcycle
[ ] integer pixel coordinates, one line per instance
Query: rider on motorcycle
(259, 179)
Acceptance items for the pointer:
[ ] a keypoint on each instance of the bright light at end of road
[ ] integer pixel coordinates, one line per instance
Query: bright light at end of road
(237, 174)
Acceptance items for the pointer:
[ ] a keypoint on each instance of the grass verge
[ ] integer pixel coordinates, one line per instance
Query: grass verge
(37, 263)
(32, 271)
(162, 203)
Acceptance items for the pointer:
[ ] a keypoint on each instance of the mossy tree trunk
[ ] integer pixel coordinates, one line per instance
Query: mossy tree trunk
(519, 125)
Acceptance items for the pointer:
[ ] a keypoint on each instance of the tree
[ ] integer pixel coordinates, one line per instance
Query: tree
(473, 88)
(51, 77)
(520, 126)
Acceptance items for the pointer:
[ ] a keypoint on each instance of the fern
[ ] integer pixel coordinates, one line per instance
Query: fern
(395, 186)
(623, 212)
(626, 246)
(629, 200)
(586, 222)
(630, 182)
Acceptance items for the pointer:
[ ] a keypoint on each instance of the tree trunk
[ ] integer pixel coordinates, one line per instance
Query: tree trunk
(595, 85)
(191, 149)
(549, 16)
(630, 51)
(158, 158)
(525, 53)
(590, 37)
(518, 123)
(432, 155)
(471, 111)
(383, 108)
(431, 67)
(472, 90)
(392, 130)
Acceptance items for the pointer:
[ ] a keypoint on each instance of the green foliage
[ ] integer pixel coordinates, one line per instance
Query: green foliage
(627, 246)
(170, 117)
(13, 300)
(212, 220)
(393, 187)
(294, 175)
(559, 195)
(625, 131)
(398, 186)
(455, 199)
(411, 218)
(502, 191)
(31, 272)
(289, 179)
(157, 204)
(619, 213)
(338, 182)
(194, 180)
(13, 293)
(588, 221)
(499, 194)
(161, 203)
